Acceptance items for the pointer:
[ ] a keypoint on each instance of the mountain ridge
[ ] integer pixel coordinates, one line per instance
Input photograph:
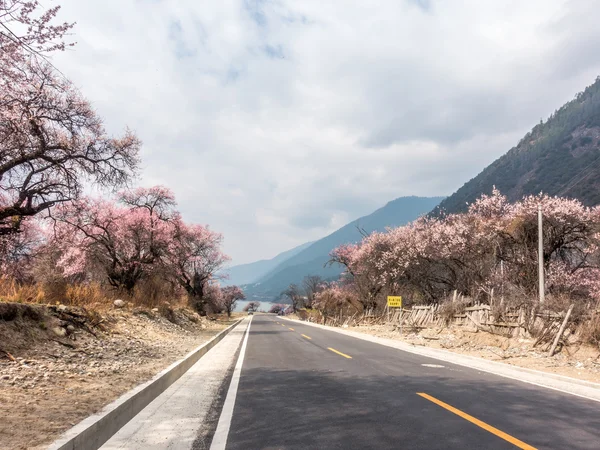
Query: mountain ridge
(241, 274)
(560, 156)
(312, 260)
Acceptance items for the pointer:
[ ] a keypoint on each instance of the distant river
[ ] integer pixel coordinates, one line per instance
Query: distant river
(264, 306)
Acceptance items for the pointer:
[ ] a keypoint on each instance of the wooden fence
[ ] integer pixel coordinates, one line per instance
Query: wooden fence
(513, 323)
(478, 317)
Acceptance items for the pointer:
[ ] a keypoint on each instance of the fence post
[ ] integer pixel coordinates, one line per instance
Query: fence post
(560, 331)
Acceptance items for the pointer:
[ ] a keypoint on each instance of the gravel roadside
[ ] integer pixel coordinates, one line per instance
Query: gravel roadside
(48, 382)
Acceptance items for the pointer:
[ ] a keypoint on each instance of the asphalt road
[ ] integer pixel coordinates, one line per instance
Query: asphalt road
(302, 387)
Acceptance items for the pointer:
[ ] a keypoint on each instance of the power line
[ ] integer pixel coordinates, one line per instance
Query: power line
(18, 41)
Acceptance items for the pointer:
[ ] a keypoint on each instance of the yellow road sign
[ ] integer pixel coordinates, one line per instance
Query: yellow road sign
(394, 301)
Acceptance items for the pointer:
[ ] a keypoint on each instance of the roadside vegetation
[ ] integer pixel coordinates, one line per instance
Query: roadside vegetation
(485, 257)
(58, 244)
(97, 293)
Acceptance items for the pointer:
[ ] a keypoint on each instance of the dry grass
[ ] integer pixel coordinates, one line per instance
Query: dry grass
(89, 295)
(10, 291)
(590, 330)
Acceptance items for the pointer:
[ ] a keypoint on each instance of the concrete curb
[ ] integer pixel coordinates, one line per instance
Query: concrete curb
(94, 431)
(561, 383)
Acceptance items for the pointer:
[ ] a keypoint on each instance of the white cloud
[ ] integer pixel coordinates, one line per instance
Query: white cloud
(276, 121)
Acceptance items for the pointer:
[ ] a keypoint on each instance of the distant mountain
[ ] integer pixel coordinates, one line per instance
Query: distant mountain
(312, 259)
(558, 157)
(251, 272)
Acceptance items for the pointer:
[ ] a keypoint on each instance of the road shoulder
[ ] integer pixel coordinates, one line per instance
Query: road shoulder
(178, 417)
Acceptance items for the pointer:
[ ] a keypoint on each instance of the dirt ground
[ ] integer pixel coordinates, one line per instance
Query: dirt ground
(576, 360)
(54, 371)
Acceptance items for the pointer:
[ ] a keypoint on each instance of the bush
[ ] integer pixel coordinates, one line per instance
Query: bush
(590, 330)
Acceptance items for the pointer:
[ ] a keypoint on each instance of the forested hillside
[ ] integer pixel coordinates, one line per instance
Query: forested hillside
(558, 157)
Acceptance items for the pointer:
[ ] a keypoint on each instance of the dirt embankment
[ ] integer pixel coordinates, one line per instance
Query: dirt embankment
(59, 365)
(577, 360)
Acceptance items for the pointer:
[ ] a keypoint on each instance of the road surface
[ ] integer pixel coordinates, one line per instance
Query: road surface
(279, 384)
(303, 387)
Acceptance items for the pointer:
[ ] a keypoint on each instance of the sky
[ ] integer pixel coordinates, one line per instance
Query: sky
(278, 121)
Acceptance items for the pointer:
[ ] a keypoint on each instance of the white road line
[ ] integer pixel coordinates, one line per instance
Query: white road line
(454, 358)
(222, 432)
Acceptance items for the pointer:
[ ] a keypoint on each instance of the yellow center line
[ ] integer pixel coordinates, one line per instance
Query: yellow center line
(292, 329)
(479, 423)
(339, 353)
(307, 337)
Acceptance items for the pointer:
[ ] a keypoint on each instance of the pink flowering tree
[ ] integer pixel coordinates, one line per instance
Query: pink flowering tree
(193, 259)
(213, 297)
(127, 240)
(492, 248)
(276, 308)
(364, 266)
(229, 298)
(252, 306)
(158, 201)
(581, 283)
(570, 239)
(51, 140)
(28, 31)
(338, 298)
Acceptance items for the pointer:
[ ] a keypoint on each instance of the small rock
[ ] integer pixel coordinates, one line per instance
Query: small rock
(59, 331)
(154, 310)
(119, 303)
(70, 328)
(62, 308)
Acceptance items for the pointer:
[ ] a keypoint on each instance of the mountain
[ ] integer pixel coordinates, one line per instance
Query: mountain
(560, 156)
(312, 259)
(249, 273)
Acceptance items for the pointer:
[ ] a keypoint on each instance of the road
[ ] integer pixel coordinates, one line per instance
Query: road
(302, 387)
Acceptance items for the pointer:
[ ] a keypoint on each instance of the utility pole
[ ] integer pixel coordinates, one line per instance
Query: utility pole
(541, 255)
(502, 282)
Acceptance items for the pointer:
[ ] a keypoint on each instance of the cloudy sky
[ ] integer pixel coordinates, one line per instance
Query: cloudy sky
(278, 121)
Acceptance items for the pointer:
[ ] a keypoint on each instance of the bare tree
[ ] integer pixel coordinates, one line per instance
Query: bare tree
(313, 284)
(294, 294)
